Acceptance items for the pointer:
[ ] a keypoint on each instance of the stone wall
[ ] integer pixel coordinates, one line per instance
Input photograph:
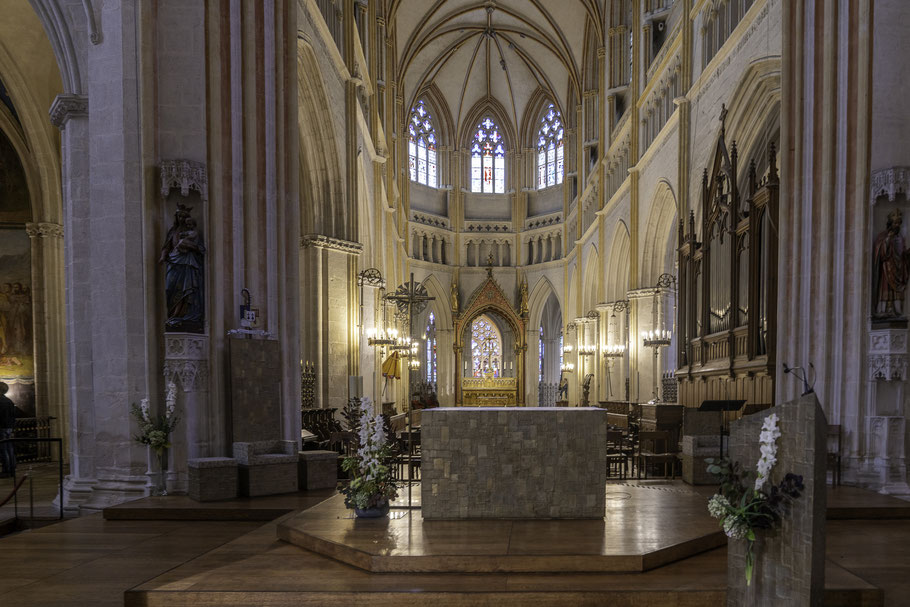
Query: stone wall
(492, 462)
(789, 561)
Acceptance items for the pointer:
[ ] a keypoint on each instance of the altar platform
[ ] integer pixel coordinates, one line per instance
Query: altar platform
(658, 523)
(643, 528)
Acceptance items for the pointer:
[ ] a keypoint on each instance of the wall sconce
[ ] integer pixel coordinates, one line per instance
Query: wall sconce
(614, 351)
(567, 367)
(587, 350)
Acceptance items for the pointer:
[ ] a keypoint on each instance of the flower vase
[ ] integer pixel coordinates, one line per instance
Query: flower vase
(161, 488)
(376, 512)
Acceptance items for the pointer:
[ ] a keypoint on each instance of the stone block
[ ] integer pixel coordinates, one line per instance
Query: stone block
(267, 467)
(482, 462)
(268, 479)
(317, 470)
(212, 478)
(790, 560)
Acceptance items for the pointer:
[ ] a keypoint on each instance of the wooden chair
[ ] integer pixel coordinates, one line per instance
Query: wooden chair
(618, 453)
(344, 443)
(834, 447)
(654, 448)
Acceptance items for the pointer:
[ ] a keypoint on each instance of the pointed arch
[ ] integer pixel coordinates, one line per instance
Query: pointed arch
(442, 114)
(753, 121)
(618, 264)
(660, 236)
(537, 301)
(439, 304)
(590, 279)
(322, 207)
(491, 107)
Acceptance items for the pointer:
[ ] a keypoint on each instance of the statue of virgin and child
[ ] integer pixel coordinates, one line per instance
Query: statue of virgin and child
(183, 254)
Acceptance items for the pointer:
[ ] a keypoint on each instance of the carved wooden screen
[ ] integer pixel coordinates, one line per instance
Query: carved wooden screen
(728, 286)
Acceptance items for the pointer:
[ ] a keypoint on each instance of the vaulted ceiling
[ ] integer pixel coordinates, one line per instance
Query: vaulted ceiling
(505, 50)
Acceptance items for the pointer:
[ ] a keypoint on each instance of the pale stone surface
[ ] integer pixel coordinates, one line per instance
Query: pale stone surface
(790, 560)
(212, 478)
(317, 470)
(492, 462)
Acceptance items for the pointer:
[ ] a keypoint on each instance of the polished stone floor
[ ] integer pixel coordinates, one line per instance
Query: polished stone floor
(644, 527)
(92, 561)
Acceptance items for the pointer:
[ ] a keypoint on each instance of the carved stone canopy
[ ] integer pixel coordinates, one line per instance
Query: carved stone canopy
(186, 175)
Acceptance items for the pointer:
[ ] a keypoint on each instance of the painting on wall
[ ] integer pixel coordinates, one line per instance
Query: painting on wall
(17, 365)
(14, 201)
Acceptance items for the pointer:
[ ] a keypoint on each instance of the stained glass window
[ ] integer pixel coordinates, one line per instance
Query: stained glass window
(486, 348)
(540, 358)
(550, 149)
(560, 350)
(431, 348)
(422, 146)
(488, 159)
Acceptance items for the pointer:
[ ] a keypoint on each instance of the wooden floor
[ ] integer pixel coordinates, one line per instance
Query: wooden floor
(92, 561)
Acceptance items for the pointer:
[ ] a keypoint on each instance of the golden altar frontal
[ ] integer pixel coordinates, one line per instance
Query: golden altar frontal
(489, 391)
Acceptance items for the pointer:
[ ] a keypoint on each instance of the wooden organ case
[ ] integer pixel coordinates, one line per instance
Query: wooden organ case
(728, 286)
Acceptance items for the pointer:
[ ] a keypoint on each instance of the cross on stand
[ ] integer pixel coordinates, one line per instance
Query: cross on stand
(410, 298)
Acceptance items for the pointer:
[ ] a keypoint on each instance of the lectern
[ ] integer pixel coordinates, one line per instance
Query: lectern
(724, 406)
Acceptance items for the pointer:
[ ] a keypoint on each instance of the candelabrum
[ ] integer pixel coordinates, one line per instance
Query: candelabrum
(382, 337)
(656, 340)
(587, 350)
(307, 385)
(567, 367)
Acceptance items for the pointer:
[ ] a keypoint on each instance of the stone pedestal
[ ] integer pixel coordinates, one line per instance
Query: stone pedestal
(186, 365)
(212, 478)
(494, 462)
(695, 450)
(317, 470)
(789, 560)
(267, 467)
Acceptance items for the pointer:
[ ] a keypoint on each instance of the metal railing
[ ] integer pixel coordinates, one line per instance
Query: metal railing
(18, 484)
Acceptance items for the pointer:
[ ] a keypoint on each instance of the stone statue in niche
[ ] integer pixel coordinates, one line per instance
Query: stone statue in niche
(523, 298)
(891, 270)
(183, 254)
(454, 297)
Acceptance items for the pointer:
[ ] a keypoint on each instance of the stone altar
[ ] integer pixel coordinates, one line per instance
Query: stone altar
(513, 462)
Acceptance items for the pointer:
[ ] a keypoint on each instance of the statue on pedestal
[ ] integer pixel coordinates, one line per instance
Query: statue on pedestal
(891, 270)
(183, 254)
(454, 297)
(523, 298)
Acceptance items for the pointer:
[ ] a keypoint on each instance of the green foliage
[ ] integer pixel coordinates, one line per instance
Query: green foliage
(154, 431)
(368, 489)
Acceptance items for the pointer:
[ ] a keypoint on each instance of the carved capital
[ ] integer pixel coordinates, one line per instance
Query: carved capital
(44, 230)
(65, 106)
(186, 360)
(190, 375)
(186, 175)
(888, 367)
(334, 244)
(890, 182)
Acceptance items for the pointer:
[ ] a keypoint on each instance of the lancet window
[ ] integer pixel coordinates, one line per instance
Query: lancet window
(486, 348)
(550, 149)
(431, 348)
(488, 159)
(422, 146)
(540, 358)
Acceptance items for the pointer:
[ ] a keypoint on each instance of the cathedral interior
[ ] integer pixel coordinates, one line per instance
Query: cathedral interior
(242, 216)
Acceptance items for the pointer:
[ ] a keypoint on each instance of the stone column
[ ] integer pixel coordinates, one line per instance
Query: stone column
(186, 365)
(69, 113)
(48, 299)
(823, 302)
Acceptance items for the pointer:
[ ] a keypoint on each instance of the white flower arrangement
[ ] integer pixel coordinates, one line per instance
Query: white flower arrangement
(155, 431)
(371, 483)
(744, 508)
(768, 441)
